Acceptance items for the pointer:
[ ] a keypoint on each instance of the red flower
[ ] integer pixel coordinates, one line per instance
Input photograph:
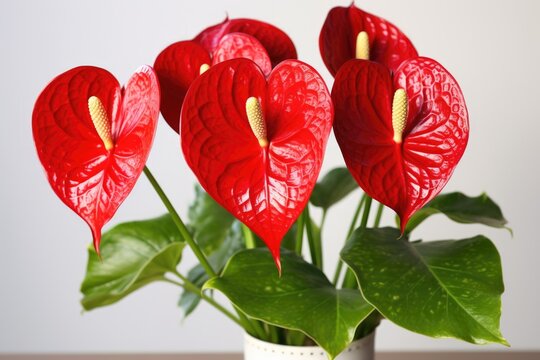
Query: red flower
(401, 135)
(182, 62)
(351, 33)
(256, 144)
(93, 138)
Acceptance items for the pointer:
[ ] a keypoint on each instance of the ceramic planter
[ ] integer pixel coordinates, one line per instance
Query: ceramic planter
(255, 349)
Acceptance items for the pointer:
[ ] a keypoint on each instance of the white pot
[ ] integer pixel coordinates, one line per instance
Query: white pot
(255, 349)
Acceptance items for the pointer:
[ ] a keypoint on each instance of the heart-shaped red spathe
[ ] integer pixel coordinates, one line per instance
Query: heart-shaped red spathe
(264, 187)
(337, 40)
(406, 175)
(88, 178)
(276, 42)
(180, 63)
(176, 67)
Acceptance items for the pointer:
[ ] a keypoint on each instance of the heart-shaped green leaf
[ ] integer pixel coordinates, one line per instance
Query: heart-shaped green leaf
(449, 288)
(333, 187)
(133, 254)
(233, 242)
(301, 299)
(462, 209)
(208, 221)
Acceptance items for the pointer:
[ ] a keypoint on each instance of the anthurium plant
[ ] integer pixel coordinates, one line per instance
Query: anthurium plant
(253, 124)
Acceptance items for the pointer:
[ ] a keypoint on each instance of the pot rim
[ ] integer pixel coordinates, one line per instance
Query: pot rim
(261, 345)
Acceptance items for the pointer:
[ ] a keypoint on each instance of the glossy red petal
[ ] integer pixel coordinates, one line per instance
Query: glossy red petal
(89, 179)
(239, 45)
(176, 67)
(337, 40)
(402, 176)
(362, 95)
(437, 129)
(266, 188)
(278, 45)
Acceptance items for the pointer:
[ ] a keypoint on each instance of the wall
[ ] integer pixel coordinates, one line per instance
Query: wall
(491, 47)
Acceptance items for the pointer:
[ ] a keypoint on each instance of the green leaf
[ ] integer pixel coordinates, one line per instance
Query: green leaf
(334, 186)
(302, 299)
(449, 288)
(462, 209)
(208, 221)
(233, 242)
(133, 254)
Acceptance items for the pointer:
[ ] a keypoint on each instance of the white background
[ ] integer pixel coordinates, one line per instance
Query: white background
(491, 47)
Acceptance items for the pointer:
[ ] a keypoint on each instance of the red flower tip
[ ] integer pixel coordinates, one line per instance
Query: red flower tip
(277, 259)
(96, 238)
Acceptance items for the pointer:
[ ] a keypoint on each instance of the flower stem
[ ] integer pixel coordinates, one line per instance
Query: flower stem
(180, 224)
(252, 326)
(337, 273)
(299, 234)
(248, 237)
(350, 280)
(323, 219)
(378, 217)
(189, 286)
(315, 246)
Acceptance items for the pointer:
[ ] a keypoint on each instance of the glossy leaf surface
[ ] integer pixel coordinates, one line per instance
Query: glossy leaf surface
(278, 44)
(462, 209)
(449, 288)
(333, 187)
(301, 299)
(337, 41)
(403, 176)
(133, 254)
(90, 179)
(264, 187)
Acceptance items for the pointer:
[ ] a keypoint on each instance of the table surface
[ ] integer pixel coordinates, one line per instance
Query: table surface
(502, 355)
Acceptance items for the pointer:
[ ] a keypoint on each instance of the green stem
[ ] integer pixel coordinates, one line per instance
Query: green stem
(274, 335)
(299, 234)
(252, 326)
(248, 236)
(337, 273)
(242, 319)
(180, 224)
(365, 215)
(189, 286)
(315, 246)
(350, 280)
(378, 217)
(323, 219)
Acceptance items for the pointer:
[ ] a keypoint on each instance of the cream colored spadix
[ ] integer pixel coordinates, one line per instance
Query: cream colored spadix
(203, 68)
(99, 117)
(399, 114)
(256, 120)
(362, 46)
